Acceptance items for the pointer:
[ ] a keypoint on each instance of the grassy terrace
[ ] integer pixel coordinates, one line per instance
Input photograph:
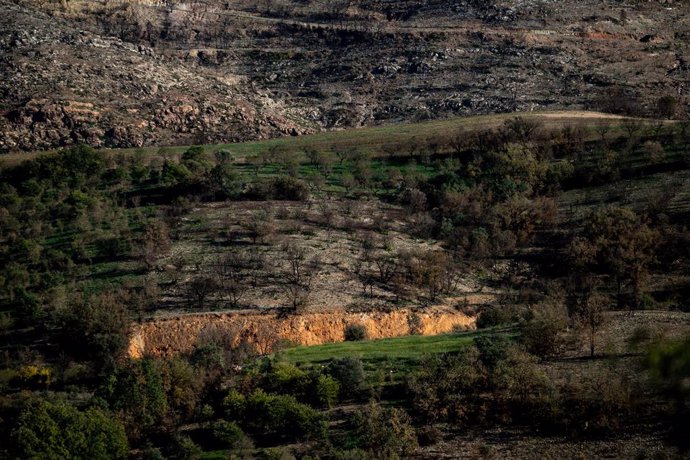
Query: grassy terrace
(370, 140)
(397, 354)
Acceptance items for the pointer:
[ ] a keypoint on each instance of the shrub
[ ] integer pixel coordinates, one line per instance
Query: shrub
(275, 415)
(34, 377)
(385, 432)
(448, 387)
(186, 449)
(355, 332)
(541, 335)
(595, 406)
(349, 372)
(492, 349)
(285, 378)
(326, 391)
(229, 433)
(280, 188)
(136, 391)
(522, 388)
(496, 315)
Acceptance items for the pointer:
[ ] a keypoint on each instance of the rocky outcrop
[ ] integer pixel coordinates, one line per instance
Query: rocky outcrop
(180, 334)
(61, 85)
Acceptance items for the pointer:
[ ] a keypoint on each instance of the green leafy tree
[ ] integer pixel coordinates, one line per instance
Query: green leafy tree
(136, 392)
(94, 328)
(56, 430)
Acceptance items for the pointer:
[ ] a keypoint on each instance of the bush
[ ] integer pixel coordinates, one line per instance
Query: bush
(275, 415)
(349, 372)
(280, 188)
(541, 335)
(522, 388)
(285, 378)
(355, 332)
(326, 391)
(596, 406)
(229, 433)
(448, 388)
(496, 315)
(186, 449)
(385, 432)
(492, 349)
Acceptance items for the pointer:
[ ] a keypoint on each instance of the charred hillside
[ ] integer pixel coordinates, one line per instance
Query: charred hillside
(190, 72)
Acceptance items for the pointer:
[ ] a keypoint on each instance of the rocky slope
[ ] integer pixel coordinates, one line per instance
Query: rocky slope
(127, 73)
(170, 336)
(62, 85)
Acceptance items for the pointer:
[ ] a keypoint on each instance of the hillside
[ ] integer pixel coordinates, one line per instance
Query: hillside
(284, 298)
(123, 74)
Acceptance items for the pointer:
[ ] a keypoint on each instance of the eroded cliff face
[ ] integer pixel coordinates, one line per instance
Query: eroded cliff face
(171, 336)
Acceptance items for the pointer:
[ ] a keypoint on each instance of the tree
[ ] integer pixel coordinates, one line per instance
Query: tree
(154, 241)
(261, 226)
(136, 392)
(363, 271)
(387, 265)
(313, 156)
(349, 373)
(433, 271)
(298, 274)
(232, 273)
(225, 181)
(199, 289)
(95, 327)
(286, 160)
(623, 244)
(541, 335)
(591, 318)
(55, 429)
(280, 416)
(654, 151)
(324, 163)
(522, 130)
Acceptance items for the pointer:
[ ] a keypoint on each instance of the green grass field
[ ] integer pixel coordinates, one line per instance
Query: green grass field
(398, 354)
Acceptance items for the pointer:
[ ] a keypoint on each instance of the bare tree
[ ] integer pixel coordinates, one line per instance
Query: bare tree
(264, 337)
(604, 129)
(591, 318)
(298, 275)
(232, 271)
(261, 227)
(199, 289)
(433, 271)
(387, 266)
(364, 272)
